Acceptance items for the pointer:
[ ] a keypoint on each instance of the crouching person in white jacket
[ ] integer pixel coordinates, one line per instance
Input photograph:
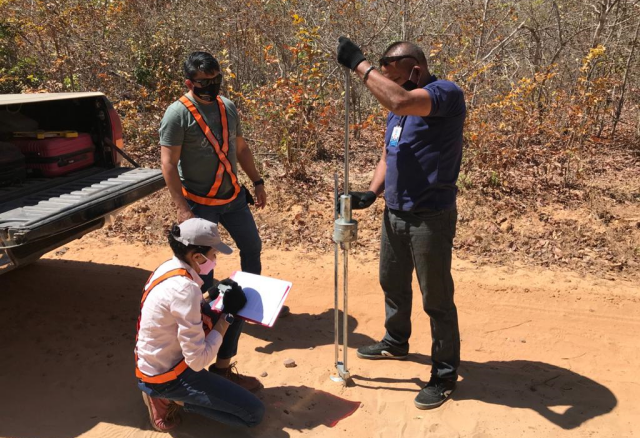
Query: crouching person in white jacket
(177, 341)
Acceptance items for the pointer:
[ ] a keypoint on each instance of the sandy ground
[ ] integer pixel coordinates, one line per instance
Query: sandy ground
(545, 354)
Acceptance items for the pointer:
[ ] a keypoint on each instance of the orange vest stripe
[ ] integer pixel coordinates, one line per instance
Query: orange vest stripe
(174, 372)
(170, 375)
(223, 165)
(218, 181)
(163, 277)
(225, 132)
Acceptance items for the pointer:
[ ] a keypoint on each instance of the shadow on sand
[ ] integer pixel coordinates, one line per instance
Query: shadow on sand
(520, 384)
(58, 383)
(319, 331)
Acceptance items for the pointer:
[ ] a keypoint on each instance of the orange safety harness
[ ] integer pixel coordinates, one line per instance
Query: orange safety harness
(175, 371)
(222, 153)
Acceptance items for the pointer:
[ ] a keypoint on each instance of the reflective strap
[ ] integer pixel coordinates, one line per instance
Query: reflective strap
(217, 182)
(174, 372)
(206, 201)
(170, 375)
(223, 165)
(180, 272)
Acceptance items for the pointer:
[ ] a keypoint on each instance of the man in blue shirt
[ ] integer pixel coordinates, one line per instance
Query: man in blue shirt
(417, 172)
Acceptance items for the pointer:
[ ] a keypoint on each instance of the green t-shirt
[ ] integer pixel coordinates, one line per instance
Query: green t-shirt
(198, 160)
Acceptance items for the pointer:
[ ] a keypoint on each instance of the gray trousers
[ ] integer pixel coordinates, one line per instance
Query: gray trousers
(422, 241)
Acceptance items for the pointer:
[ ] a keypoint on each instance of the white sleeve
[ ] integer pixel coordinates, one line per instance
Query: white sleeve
(198, 350)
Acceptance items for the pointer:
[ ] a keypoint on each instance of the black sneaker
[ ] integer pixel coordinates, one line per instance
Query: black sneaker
(436, 392)
(381, 350)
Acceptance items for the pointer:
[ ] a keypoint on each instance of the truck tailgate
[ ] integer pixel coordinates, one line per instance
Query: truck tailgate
(61, 208)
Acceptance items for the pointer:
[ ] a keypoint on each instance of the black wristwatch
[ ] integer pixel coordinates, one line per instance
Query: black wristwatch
(260, 182)
(229, 318)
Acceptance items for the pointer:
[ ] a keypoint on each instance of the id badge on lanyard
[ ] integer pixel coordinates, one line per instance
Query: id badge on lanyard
(396, 133)
(395, 136)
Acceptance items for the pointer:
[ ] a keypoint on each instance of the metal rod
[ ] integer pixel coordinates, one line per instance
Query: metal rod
(347, 217)
(347, 92)
(336, 197)
(345, 313)
(336, 315)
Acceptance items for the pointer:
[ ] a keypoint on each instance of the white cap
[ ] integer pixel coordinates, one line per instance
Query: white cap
(201, 232)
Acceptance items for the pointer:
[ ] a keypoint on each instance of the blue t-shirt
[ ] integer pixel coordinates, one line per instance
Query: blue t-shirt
(424, 162)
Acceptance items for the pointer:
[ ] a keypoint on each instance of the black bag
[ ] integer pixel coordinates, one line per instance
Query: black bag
(248, 196)
(12, 165)
(12, 122)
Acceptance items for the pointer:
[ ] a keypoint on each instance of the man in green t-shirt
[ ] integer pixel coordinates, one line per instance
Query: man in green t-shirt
(201, 146)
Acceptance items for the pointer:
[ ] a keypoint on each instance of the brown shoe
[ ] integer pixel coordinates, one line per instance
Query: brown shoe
(249, 383)
(163, 413)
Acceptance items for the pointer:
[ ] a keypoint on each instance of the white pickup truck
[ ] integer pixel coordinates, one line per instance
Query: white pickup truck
(38, 213)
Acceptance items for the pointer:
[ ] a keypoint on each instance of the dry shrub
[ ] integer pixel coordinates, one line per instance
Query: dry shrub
(545, 84)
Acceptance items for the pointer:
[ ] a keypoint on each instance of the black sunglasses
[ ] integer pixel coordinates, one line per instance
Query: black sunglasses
(207, 82)
(386, 60)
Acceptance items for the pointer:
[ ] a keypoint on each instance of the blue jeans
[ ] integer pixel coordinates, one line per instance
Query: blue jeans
(210, 395)
(422, 241)
(229, 346)
(237, 219)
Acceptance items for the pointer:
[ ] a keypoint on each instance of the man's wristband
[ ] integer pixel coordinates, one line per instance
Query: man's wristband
(260, 182)
(366, 73)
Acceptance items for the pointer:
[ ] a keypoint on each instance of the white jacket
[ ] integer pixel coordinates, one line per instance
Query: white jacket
(171, 324)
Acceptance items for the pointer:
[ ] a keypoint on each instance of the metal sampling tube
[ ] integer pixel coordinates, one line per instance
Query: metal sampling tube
(345, 313)
(345, 231)
(336, 315)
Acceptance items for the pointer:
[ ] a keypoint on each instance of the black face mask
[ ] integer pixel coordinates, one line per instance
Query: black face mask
(208, 93)
(409, 85)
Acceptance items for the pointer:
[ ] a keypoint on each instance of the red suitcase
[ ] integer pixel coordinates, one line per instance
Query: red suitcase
(57, 156)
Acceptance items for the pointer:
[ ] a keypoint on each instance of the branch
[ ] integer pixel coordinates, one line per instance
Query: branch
(558, 21)
(624, 81)
(492, 51)
(510, 327)
(502, 43)
(595, 8)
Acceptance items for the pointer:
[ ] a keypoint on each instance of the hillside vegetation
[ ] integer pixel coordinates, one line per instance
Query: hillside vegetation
(551, 170)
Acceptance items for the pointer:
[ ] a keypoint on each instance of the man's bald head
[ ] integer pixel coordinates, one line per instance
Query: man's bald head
(404, 62)
(406, 48)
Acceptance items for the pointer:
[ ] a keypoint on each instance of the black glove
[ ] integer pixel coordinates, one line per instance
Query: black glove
(205, 308)
(213, 292)
(360, 200)
(349, 54)
(234, 298)
(225, 285)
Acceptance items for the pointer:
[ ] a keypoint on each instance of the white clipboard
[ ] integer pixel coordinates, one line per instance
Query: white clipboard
(265, 297)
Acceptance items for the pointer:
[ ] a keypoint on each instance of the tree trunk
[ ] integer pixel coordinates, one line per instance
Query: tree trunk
(602, 13)
(479, 48)
(405, 19)
(624, 82)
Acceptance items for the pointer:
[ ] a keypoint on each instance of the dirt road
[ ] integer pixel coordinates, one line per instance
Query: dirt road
(545, 354)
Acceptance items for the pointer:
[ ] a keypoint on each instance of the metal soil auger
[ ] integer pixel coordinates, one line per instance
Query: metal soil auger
(345, 231)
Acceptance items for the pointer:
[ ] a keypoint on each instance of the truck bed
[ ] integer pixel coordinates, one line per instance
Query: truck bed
(28, 214)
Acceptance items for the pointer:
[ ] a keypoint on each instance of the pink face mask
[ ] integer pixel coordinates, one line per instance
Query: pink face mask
(207, 266)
